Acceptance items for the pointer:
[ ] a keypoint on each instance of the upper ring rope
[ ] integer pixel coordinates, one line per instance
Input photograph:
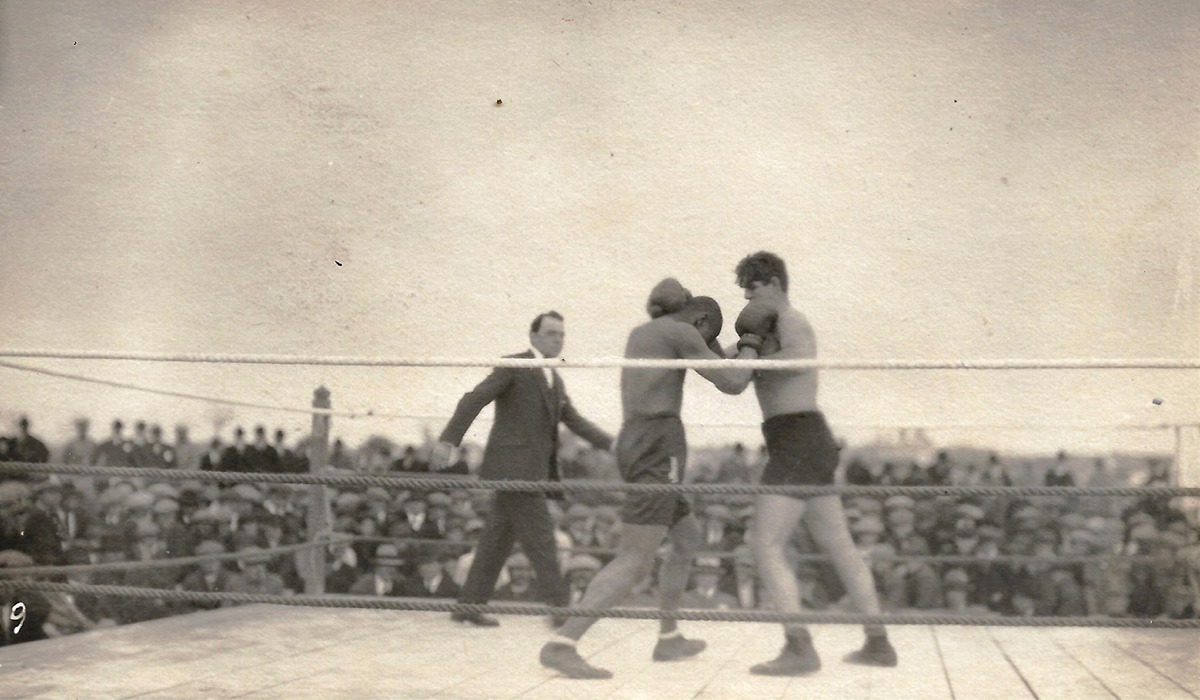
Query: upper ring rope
(372, 413)
(343, 479)
(851, 364)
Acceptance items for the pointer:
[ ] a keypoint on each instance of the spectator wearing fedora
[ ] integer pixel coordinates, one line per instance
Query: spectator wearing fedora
(207, 576)
(234, 457)
(27, 447)
(261, 456)
(704, 593)
(341, 564)
(386, 578)
(253, 576)
(116, 451)
(433, 579)
(520, 584)
(25, 528)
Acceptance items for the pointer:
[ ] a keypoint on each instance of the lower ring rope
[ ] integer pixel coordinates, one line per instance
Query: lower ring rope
(462, 482)
(422, 605)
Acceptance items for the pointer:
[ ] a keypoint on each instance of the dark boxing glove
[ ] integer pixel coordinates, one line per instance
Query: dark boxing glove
(755, 324)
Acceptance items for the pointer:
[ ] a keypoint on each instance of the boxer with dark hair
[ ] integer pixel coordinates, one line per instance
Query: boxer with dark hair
(801, 450)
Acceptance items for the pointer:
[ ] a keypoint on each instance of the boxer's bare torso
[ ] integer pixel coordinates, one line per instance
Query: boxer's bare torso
(794, 390)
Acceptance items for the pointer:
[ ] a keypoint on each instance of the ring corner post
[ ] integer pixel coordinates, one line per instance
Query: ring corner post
(317, 520)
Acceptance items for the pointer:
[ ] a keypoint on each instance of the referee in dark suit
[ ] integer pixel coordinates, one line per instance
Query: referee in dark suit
(523, 445)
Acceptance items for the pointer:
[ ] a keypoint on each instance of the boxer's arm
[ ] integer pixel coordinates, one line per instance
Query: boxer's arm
(585, 429)
(728, 380)
(473, 402)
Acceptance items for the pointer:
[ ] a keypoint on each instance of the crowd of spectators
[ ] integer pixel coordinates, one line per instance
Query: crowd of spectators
(389, 542)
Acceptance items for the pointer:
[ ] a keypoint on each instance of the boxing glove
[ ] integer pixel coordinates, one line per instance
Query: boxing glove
(754, 324)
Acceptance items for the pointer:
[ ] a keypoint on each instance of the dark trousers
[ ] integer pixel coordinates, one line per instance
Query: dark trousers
(524, 518)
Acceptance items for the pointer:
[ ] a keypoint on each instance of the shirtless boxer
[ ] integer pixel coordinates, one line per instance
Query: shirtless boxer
(801, 450)
(651, 450)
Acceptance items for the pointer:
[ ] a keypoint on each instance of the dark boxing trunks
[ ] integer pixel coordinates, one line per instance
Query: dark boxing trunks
(653, 451)
(801, 450)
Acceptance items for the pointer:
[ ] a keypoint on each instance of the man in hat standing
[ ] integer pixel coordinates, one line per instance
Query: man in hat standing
(28, 447)
(523, 445)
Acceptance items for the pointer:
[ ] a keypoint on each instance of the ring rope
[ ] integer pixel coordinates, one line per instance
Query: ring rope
(424, 605)
(196, 397)
(953, 559)
(27, 571)
(372, 413)
(571, 485)
(848, 364)
(949, 559)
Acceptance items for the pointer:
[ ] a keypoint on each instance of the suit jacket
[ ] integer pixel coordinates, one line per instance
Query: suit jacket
(523, 443)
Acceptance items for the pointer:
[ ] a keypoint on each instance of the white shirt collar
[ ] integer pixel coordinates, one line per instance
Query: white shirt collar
(545, 370)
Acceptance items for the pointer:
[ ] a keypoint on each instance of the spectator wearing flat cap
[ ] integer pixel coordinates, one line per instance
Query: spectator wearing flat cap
(704, 593)
(437, 510)
(341, 567)
(580, 524)
(147, 546)
(386, 578)
(25, 528)
(176, 536)
(207, 576)
(416, 512)
(908, 583)
(520, 580)
(433, 579)
(253, 576)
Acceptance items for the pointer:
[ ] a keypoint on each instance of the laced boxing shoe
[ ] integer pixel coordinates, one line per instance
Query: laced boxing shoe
(677, 647)
(567, 661)
(877, 651)
(798, 658)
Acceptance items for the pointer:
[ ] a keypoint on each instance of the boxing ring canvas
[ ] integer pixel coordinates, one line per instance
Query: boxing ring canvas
(263, 651)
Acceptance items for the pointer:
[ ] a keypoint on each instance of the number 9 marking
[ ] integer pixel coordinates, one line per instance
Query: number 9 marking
(17, 615)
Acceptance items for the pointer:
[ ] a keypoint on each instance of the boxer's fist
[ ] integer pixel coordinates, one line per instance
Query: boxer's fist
(667, 297)
(754, 324)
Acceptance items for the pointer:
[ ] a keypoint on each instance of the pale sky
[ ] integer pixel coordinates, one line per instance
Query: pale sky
(955, 180)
